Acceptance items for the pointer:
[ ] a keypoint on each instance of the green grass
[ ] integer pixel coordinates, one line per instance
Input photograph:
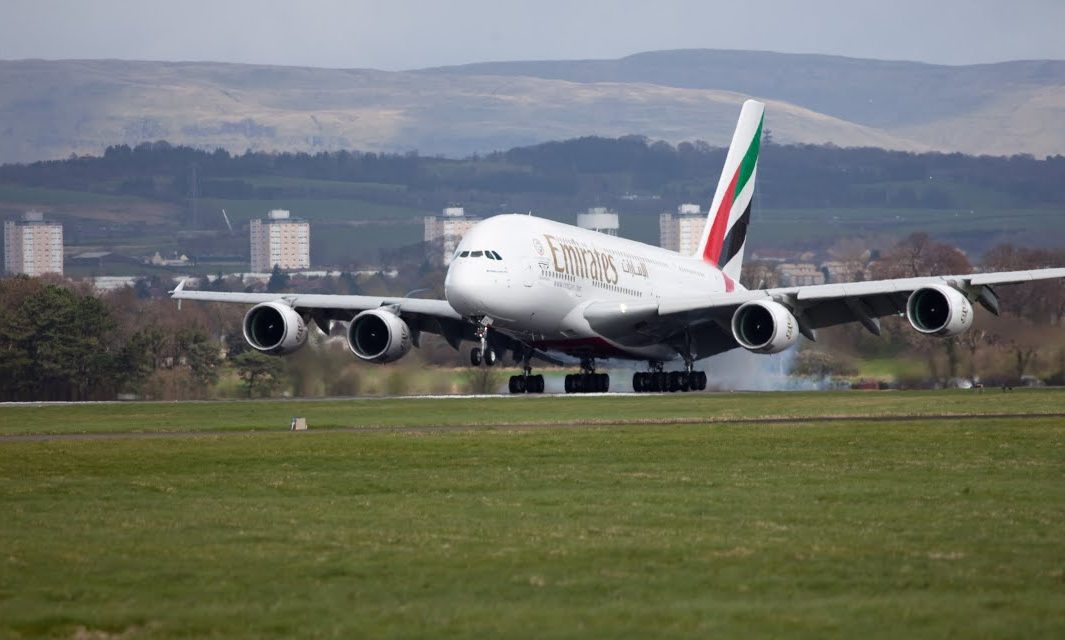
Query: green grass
(848, 529)
(502, 411)
(326, 188)
(794, 227)
(61, 197)
(890, 368)
(312, 209)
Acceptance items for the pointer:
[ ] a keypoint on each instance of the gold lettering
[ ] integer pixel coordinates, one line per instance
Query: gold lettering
(610, 267)
(572, 259)
(554, 254)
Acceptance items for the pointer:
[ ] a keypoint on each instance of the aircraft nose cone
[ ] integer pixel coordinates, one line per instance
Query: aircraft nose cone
(463, 290)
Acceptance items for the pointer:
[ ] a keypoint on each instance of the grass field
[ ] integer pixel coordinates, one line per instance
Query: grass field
(923, 526)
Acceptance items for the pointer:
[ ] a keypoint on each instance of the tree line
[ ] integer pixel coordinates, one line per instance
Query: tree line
(800, 175)
(59, 340)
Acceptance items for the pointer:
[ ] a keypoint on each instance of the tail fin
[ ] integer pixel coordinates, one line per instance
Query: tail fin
(725, 233)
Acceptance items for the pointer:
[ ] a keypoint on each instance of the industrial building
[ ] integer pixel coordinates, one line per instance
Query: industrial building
(280, 240)
(445, 231)
(681, 231)
(599, 219)
(33, 246)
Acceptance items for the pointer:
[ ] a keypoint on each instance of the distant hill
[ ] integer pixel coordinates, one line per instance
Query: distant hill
(50, 109)
(1003, 108)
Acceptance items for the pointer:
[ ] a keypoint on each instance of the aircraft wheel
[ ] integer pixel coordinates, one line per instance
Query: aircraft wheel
(701, 380)
(490, 356)
(637, 382)
(685, 381)
(521, 384)
(674, 381)
(604, 385)
(536, 384)
(475, 356)
(661, 381)
(569, 383)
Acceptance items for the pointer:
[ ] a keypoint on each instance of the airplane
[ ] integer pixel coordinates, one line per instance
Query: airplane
(537, 288)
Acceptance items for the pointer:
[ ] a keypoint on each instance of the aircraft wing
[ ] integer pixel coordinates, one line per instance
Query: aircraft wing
(815, 306)
(421, 314)
(436, 308)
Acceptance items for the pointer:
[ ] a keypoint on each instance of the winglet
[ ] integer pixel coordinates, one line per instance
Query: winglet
(179, 288)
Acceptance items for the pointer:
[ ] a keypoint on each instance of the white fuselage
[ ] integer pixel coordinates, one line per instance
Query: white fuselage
(550, 272)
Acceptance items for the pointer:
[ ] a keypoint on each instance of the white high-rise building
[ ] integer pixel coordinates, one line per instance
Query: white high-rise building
(33, 246)
(446, 231)
(280, 240)
(682, 231)
(599, 219)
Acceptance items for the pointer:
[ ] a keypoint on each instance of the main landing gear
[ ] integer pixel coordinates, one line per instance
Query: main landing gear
(656, 380)
(526, 383)
(587, 381)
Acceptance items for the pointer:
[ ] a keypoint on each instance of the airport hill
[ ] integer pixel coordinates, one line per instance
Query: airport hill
(50, 109)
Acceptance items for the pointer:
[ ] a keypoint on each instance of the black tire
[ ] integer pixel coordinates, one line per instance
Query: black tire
(569, 383)
(475, 356)
(521, 383)
(605, 385)
(685, 381)
(701, 386)
(536, 384)
(637, 382)
(490, 356)
(661, 381)
(674, 381)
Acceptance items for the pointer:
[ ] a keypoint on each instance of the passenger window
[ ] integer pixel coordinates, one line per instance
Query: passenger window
(476, 254)
(464, 254)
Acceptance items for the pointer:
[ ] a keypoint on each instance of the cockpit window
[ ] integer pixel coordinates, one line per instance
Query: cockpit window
(497, 256)
(491, 255)
(476, 254)
(464, 254)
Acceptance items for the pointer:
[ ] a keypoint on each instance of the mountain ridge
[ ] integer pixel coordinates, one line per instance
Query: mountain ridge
(51, 109)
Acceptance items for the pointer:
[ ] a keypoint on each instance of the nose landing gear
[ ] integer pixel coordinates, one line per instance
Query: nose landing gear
(484, 353)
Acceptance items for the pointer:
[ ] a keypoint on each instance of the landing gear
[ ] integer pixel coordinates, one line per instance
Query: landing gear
(484, 353)
(526, 382)
(587, 381)
(657, 381)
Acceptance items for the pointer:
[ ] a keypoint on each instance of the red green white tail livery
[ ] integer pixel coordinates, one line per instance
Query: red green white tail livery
(725, 234)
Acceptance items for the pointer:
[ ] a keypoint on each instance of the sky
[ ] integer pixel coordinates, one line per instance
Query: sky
(408, 34)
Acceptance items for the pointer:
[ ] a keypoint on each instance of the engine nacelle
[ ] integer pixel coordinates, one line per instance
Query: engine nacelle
(764, 326)
(274, 328)
(379, 336)
(939, 310)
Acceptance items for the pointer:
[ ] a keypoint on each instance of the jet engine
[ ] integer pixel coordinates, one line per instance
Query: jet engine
(274, 328)
(764, 326)
(939, 310)
(379, 336)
